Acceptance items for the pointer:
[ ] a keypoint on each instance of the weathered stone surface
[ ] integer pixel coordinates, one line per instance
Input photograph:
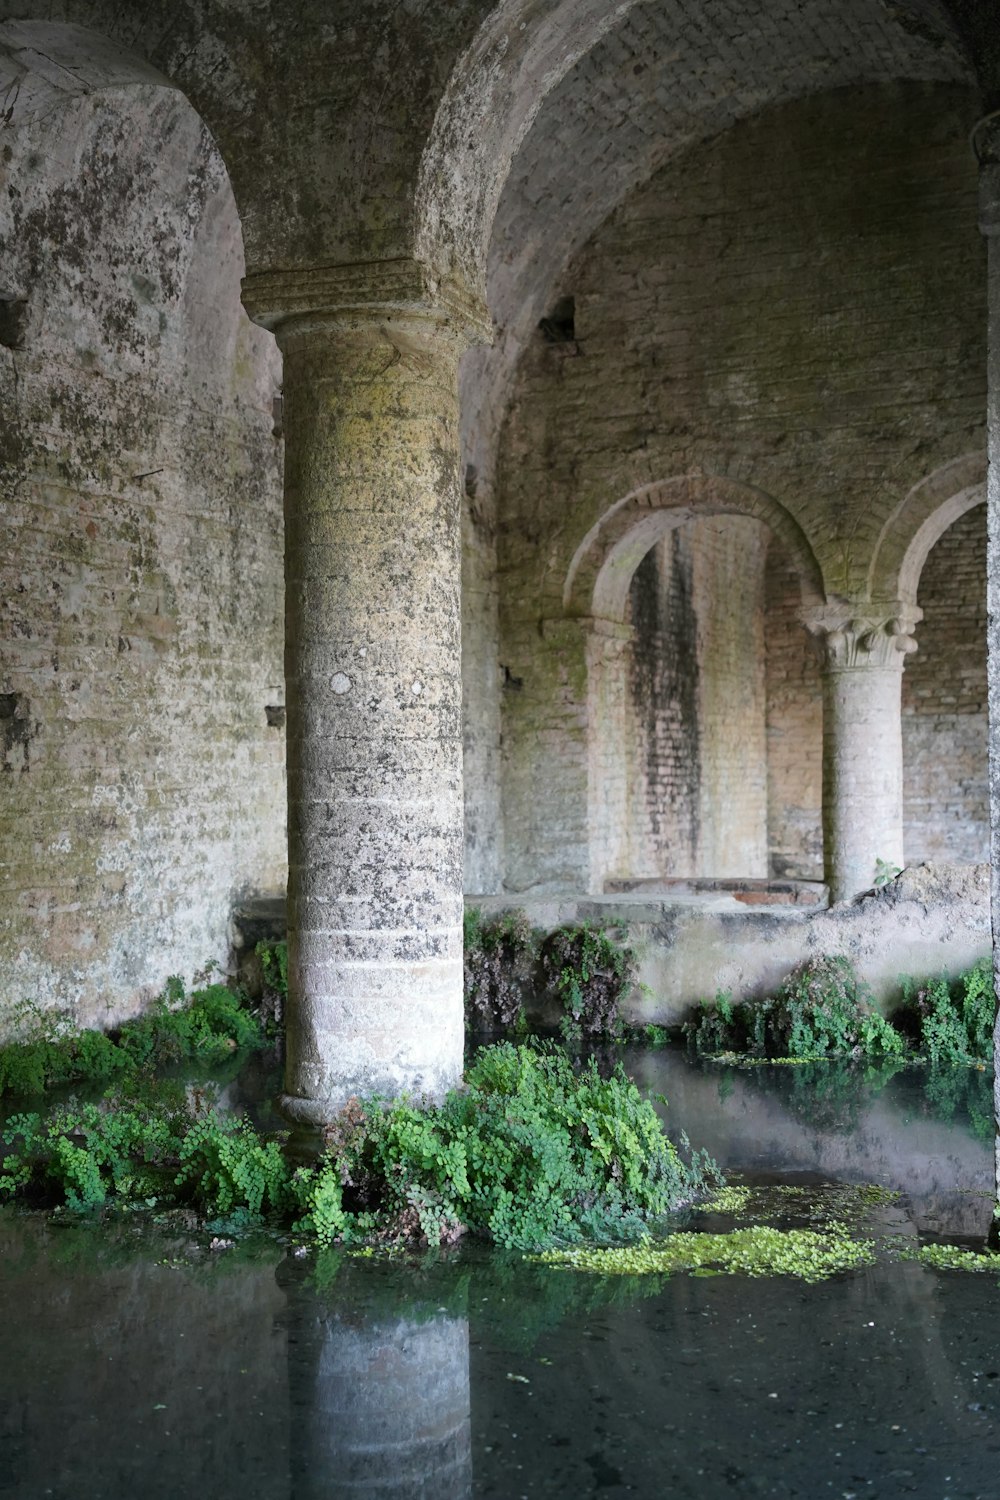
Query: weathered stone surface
(931, 920)
(862, 664)
(945, 733)
(140, 598)
(707, 352)
(372, 575)
(749, 233)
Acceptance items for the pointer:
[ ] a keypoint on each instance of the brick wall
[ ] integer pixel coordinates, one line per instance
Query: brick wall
(728, 575)
(662, 721)
(140, 596)
(797, 306)
(945, 732)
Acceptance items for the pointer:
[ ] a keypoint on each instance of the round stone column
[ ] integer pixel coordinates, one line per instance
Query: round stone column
(862, 659)
(373, 675)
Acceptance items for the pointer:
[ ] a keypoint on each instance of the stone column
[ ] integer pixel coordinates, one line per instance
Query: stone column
(986, 141)
(373, 671)
(862, 657)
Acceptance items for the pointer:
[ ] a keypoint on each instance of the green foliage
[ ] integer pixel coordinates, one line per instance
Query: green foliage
(953, 1021)
(713, 1031)
(225, 1165)
(528, 1154)
(885, 871)
(207, 1027)
(651, 1034)
(318, 1193)
(500, 958)
(274, 966)
(586, 970)
(821, 1010)
(590, 972)
(85, 1152)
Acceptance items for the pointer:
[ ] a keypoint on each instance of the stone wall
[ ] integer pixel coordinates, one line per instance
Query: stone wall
(817, 347)
(141, 684)
(931, 920)
(945, 732)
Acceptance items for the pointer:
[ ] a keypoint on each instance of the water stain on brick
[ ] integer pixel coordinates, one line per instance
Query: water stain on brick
(664, 671)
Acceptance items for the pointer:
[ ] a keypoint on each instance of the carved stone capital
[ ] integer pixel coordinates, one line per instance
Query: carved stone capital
(864, 637)
(367, 293)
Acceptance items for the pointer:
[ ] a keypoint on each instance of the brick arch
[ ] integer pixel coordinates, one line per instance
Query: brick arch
(601, 571)
(921, 519)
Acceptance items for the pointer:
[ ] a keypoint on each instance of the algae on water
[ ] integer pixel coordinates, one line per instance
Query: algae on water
(758, 1250)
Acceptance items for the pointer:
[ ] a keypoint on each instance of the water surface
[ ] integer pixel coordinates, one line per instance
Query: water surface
(138, 1361)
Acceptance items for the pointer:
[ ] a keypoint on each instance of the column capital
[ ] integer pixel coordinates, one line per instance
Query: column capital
(365, 294)
(985, 140)
(855, 637)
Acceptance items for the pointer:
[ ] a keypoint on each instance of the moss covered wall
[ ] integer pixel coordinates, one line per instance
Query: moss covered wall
(140, 599)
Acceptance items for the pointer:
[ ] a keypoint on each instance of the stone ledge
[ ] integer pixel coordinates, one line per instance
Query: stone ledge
(931, 920)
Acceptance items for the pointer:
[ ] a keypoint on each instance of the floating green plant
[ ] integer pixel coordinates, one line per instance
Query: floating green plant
(953, 1258)
(809, 1255)
(728, 1200)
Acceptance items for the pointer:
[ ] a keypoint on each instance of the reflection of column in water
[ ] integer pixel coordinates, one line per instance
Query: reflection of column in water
(379, 1404)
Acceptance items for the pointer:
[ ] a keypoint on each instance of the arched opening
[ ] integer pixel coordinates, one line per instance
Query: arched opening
(690, 742)
(141, 590)
(945, 727)
(554, 118)
(678, 702)
(649, 695)
(683, 707)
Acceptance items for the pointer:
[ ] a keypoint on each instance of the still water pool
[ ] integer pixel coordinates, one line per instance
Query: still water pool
(135, 1360)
